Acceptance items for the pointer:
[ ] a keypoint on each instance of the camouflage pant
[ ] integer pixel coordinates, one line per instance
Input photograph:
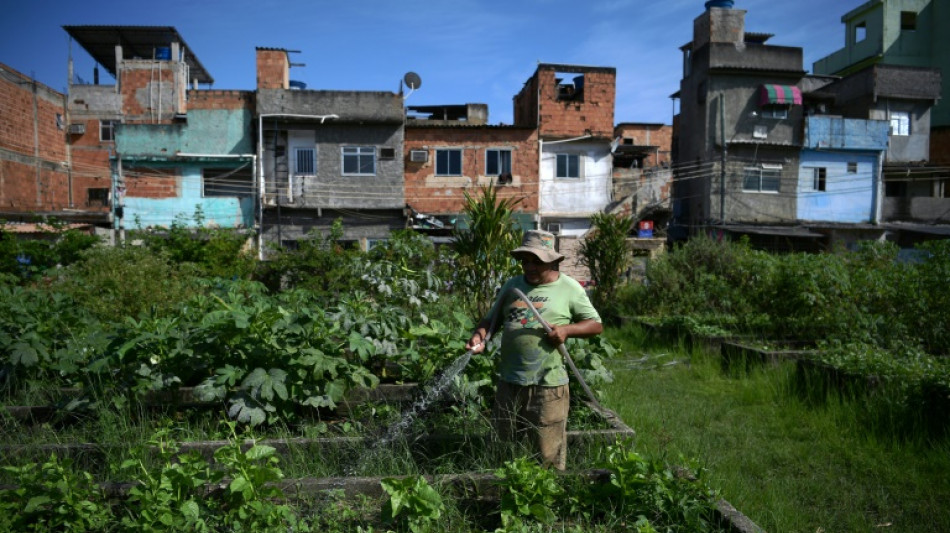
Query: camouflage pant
(536, 413)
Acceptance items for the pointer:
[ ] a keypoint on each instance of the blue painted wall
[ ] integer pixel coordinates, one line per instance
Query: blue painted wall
(848, 150)
(225, 212)
(848, 196)
(205, 132)
(831, 132)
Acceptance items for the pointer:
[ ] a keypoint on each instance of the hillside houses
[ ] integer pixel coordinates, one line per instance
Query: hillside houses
(759, 148)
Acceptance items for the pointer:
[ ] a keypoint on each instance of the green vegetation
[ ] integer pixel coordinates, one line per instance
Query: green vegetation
(792, 450)
(604, 252)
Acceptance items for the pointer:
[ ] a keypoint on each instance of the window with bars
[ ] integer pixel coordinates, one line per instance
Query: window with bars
(305, 162)
(359, 161)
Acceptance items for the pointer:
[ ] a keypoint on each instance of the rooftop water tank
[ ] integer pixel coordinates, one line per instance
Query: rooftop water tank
(298, 85)
(725, 4)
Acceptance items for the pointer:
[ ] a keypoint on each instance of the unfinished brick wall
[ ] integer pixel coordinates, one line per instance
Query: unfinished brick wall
(148, 92)
(273, 69)
(526, 104)
(142, 182)
(639, 134)
(590, 113)
(220, 99)
(33, 173)
(431, 194)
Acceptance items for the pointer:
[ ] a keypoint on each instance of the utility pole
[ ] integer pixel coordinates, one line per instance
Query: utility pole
(722, 159)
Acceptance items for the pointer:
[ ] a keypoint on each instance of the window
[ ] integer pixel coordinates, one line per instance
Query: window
(229, 182)
(852, 167)
(359, 161)
(568, 166)
(387, 154)
(819, 176)
(900, 123)
(895, 189)
(762, 179)
(774, 111)
(448, 162)
(97, 197)
(860, 32)
(305, 162)
(908, 21)
(107, 130)
(497, 162)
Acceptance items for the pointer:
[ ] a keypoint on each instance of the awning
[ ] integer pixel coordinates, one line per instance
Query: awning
(779, 94)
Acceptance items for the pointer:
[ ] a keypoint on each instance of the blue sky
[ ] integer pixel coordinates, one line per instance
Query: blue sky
(465, 51)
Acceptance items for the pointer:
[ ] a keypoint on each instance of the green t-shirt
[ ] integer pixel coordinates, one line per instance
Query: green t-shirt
(527, 357)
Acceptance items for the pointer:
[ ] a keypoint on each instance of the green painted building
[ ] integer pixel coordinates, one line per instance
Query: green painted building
(896, 32)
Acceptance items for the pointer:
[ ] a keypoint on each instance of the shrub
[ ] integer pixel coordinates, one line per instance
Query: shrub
(604, 251)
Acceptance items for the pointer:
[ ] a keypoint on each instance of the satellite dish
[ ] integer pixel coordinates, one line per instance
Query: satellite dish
(412, 80)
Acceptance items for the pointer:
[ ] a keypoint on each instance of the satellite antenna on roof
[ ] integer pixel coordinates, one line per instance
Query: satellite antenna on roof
(413, 81)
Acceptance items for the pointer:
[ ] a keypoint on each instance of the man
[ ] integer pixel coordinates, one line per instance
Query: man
(532, 396)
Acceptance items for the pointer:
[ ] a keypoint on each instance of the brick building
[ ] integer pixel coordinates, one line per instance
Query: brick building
(43, 173)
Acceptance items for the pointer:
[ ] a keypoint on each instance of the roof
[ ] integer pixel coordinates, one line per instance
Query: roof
(136, 41)
(781, 231)
(28, 228)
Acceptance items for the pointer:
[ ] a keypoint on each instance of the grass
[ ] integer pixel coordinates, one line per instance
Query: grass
(787, 461)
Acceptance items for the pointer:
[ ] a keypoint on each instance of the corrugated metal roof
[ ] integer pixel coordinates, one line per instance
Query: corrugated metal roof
(136, 41)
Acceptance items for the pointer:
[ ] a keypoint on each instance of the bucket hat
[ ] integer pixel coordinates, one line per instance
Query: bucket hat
(539, 243)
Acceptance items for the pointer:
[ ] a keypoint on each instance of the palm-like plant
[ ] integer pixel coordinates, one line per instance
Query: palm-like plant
(483, 259)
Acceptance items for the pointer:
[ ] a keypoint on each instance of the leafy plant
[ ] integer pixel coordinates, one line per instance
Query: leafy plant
(171, 496)
(660, 496)
(605, 252)
(483, 260)
(52, 497)
(529, 491)
(412, 503)
(250, 501)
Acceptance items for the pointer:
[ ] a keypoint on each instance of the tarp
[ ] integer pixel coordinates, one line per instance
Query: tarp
(779, 94)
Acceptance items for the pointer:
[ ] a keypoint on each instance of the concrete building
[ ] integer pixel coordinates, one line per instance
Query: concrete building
(327, 155)
(176, 153)
(739, 129)
(908, 33)
(795, 161)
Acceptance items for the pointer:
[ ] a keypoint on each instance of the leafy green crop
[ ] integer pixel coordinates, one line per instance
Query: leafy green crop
(412, 503)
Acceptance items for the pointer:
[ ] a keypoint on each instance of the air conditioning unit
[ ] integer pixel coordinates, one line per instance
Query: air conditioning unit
(419, 156)
(77, 129)
(553, 227)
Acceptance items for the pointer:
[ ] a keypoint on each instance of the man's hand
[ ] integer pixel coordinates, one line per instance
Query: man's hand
(477, 343)
(558, 335)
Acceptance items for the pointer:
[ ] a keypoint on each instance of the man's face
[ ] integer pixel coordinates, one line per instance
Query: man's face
(535, 270)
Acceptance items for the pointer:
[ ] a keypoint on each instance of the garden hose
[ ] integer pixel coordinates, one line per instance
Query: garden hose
(561, 348)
